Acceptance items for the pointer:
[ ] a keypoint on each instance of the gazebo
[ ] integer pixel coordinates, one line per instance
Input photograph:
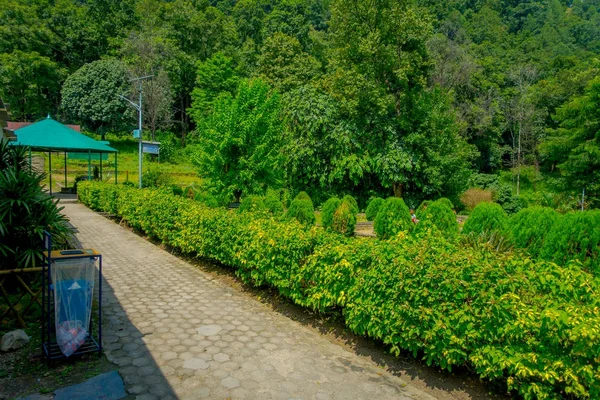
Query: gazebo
(50, 136)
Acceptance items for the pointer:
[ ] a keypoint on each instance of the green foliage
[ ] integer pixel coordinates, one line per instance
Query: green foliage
(574, 144)
(344, 218)
(303, 211)
(352, 201)
(273, 203)
(373, 208)
(504, 317)
(153, 178)
(240, 142)
(26, 211)
(530, 226)
(422, 207)
(439, 215)
(91, 95)
(328, 210)
(486, 219)
(393, 217)
(252, 203)
(575, 236)
(447, 202)
(303, 196)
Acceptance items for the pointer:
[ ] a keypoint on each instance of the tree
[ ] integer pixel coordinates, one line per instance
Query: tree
(575, 144)
(284, 65)
(239, 150)
(214, 77)
(381, 66)
(29, 82)
(91, 95)
(149, 54)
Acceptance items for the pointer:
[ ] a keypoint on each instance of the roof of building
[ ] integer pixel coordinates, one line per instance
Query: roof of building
(51, 135)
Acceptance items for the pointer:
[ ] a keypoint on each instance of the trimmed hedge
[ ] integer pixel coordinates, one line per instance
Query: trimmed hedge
(486, 219)
(344, 218)
(303, 211)
(440, 216)
(393, 217)
(373, 208)
(533, 325)
(273, 203)
(328, 210)
(252, 203)
(575, 236)
(529, 227)
(422, 207)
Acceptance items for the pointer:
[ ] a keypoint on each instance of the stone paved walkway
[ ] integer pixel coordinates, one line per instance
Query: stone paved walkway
(175, 332)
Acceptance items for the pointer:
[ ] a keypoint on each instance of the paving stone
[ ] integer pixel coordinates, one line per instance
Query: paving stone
(230, 382)
(195, 363)
(178, 333)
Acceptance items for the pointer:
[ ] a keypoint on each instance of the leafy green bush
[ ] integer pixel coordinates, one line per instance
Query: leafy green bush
(252, 203)
(441, 216)
(422, 207)
(575, 236)
(532, 324)
(328, 210)
(352, 202)
(393, 217)
(530, 226)
(272, 203)
(373, 208)
(447, 202)
(154, 179)
(509, 202)
(177, 190)
(486, 219)
(26, 210)
(344, 218)
(303, 196)
(303, 211)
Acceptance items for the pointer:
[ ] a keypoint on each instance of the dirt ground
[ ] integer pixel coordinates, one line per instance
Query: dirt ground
(23, 372)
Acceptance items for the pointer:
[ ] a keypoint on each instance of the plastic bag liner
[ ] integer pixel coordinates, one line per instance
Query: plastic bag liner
(73, 284)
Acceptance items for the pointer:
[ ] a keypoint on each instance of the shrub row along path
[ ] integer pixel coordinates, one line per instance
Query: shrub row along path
(175, 332)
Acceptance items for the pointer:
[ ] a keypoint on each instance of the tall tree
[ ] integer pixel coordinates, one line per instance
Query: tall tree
(575, 145)
(91, 95)
(240, 143)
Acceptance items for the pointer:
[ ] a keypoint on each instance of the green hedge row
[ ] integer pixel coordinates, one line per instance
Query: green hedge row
(542, 232)
(534, 325)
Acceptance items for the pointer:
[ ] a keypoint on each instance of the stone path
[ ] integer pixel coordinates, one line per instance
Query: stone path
(175, 332)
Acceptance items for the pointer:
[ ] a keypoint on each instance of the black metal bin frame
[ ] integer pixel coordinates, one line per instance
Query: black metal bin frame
(50, 349)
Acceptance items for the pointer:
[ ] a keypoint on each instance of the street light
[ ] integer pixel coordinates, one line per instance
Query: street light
(138, 107)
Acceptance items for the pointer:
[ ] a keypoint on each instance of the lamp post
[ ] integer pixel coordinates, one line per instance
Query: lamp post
(138, 107)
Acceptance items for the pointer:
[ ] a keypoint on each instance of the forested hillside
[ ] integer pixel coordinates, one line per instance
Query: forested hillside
(369, 97)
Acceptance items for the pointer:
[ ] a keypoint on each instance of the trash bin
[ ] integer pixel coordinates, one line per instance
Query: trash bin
(73, 287)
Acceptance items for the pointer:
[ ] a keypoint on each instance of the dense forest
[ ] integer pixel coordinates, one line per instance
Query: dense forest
(420, 99)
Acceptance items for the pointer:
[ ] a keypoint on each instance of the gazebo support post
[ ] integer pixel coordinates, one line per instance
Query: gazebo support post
(50, 170)
(89, 165)
(101, 174)
(66, 170)
(30, 166)
(115, 168)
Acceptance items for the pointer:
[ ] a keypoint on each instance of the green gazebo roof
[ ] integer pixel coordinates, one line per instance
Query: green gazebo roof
(51, 135)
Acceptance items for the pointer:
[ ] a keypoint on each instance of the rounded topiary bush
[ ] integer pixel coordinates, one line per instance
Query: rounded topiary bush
(422, 207)
(303, 211)
(441, 216)
(393, 217)
(303, 196)
(529, 227)
(344, 218)
(328, 210)
(352, 201)
(575, 236)
(272, 203)
(446, 202)
(373, 208)
(252, 203)
(486, 219)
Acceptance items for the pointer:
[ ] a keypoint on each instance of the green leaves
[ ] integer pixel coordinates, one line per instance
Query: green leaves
(240, 142)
